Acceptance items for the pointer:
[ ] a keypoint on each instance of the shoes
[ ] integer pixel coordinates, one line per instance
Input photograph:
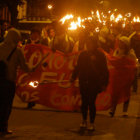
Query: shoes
(125, 114)
(111, 114)
(7, 132)
(83, 124)
(91, 127)
(30, 105)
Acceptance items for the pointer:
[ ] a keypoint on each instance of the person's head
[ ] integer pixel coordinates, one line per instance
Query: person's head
(13, 37)
(6, 25)
(104, 32)
(117, 29)
(35, 34)
(51, 32)
(91, 43)
(124, 44)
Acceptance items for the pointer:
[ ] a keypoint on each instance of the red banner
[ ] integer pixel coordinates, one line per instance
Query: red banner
(49, 85)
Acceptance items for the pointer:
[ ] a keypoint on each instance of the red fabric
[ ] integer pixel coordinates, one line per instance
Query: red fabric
(66, 96)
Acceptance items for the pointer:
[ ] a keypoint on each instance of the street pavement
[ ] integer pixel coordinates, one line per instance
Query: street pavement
(41, 123)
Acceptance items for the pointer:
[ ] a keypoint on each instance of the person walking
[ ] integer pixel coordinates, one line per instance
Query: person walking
(123, 52)
(92, 72)
(12, 57)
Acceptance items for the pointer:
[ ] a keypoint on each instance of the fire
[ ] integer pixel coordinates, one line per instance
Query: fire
(112, 17)
(67, 17)
(50, 6)
(136, 19)
(97, 29)
(75, 24)
(34, 84)
(128, 15)
(119, 17)
(99, 18)
(123, 25)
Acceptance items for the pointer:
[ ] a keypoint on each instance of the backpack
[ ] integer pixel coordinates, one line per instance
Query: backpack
(3, 65)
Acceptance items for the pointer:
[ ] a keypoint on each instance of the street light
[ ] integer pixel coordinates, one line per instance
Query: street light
(50, 7)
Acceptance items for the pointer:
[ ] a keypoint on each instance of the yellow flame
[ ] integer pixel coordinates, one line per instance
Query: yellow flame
(89, 18)
(118, 18)
(75, 24)
(92, 12)
(50, 6)
(128, 15)
(123, 25)
(34, 84)
(98, 16)
(97, 29)
(67, 17)
(136, 19)
(112, 17)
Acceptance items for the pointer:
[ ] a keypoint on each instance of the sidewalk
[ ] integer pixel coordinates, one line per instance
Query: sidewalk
(40, 123)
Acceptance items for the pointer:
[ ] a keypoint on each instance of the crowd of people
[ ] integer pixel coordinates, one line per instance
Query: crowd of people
(91, 68)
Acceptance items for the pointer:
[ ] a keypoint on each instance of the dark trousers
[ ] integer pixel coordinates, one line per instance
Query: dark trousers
(125, 106)
(88, 97)
(7, 92)
(135, 83)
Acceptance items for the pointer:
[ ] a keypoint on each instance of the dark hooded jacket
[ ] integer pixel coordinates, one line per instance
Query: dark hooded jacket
(91, 69)
(10, 42)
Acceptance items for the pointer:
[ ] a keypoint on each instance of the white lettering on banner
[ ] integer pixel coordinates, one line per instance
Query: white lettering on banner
(71, 62)
(104, 100)
(75, 99)
(19, 82)
(34, 55)
(55, 100)
(34, 96)
(48, 76)
(50, 59)
(25, 96)
(57, 61)
(30, 97)
(43, 67)
(58, 100)
(63, 84)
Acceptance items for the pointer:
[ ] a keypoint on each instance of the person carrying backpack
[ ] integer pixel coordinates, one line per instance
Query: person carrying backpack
(11, 58)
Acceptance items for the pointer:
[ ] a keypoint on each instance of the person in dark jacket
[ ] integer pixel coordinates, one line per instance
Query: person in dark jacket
(8, 78)
(92, 72)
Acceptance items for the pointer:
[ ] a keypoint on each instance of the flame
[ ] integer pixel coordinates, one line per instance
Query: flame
(112, 17)
(67, 17)
(50, 6)
(118, 18)
(97, 29)
(75, 24)
(136, 19)
(128, 15)
(92, 12)
(89, 18)
(123, 25)
(98, 16)
(34, 84)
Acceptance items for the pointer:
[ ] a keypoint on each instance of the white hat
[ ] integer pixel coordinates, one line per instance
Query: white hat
(125, 40)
